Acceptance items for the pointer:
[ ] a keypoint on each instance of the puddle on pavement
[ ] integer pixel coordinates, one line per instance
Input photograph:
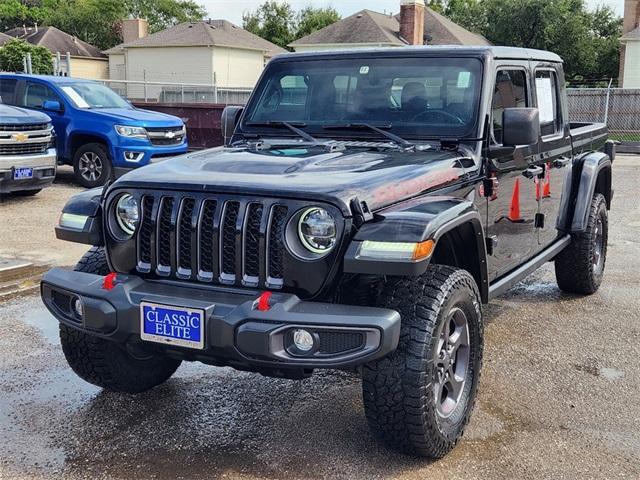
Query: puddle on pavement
(44, 322)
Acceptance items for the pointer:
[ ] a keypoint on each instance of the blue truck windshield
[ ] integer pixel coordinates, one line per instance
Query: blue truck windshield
(93, 95)
(415, 97)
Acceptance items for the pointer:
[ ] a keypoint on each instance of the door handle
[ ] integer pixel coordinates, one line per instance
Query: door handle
(561, 162)
(532, 172)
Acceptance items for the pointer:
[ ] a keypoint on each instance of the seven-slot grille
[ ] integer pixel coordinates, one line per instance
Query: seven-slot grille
(217, 240)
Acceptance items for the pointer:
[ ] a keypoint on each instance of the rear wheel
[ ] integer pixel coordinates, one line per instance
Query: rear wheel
(128, 368)
(92, 166)
(580, 266)
(419, 399)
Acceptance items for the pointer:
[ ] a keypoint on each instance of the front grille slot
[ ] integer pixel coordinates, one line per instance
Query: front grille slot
(165, 232)
(212, 239)
(228, 242)
(184, 237)
(275, 248)
(23, 148)
(23, 128)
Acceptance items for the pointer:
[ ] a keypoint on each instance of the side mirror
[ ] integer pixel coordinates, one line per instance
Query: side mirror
(229, 121)
(520, 126)
(52, 106)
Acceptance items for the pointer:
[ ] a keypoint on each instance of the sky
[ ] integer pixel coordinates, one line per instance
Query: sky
(232, 9)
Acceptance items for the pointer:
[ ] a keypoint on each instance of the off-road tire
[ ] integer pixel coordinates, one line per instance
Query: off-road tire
(576, 271)
(399, 390)
(108, 364)
(100, 151)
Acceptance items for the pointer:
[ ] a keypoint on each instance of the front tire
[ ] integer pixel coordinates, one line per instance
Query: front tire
(419, 399)
(580, 266)
(92, 165)
(107, 364)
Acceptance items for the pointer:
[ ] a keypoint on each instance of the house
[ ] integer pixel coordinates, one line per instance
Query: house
(86, 61)
(4, 38)
(416, 24)
(630, 48)
(207, 53)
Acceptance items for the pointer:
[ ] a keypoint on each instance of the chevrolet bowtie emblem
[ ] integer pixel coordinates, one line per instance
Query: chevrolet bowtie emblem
(20, 137)
(169, 135)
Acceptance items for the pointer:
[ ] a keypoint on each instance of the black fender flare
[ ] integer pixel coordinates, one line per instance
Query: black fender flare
(574, 210)
(86, 204)
(428, 218)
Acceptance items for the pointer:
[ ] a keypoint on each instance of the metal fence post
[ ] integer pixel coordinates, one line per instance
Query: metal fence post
(144, 78)
(606, 105)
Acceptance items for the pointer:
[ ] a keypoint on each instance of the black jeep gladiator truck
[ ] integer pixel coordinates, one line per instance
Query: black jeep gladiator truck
(366, 204)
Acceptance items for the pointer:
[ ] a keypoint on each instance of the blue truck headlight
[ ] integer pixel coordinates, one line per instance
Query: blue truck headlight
(127, 213)
(131, 132)
(317, 230)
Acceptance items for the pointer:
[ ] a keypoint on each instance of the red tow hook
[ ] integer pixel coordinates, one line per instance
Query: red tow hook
(263, 302)
(109, 281)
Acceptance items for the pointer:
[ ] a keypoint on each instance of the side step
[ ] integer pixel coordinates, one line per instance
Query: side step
(503, 284)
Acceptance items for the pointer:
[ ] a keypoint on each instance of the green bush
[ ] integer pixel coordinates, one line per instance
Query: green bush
(14, 51)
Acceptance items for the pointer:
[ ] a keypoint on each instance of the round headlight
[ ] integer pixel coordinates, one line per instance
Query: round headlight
(317, 230)
(127, 213)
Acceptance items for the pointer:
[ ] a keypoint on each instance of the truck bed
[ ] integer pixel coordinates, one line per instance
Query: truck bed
(587, 136)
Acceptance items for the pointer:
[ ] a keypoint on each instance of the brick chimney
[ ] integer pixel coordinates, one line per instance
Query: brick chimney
(412, 21)
(631, 22)
(133, 29)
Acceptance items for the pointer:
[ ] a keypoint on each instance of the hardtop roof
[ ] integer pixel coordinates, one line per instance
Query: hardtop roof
(513, 53)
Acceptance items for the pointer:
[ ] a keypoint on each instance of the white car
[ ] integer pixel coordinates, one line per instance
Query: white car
(27, 155)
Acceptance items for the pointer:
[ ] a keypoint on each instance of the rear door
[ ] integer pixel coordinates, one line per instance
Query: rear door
(8, 88)
(511, 211)
(555, 155)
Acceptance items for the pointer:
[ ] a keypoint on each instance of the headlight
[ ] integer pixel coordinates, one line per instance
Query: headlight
(131, 132)
(317, 230)
(127, 213)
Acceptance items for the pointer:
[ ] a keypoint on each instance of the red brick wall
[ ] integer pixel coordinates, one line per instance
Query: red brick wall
(412, 21)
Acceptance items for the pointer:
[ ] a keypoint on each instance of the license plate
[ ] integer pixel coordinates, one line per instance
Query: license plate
(171, 325)
(22, 173)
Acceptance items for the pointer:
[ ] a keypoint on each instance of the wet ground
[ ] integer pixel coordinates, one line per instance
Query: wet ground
(558, 398)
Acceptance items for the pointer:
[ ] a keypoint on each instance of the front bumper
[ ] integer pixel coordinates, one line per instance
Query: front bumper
(138, 154)
(44, 171)
(236, 333)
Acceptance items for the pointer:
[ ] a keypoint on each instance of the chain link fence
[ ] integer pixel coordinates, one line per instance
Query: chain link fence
(163, 92)
(619, 108)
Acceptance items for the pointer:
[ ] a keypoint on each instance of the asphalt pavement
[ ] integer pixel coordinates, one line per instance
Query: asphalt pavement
(558, 397)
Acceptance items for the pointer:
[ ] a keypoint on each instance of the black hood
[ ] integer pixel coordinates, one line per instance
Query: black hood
(378, 177)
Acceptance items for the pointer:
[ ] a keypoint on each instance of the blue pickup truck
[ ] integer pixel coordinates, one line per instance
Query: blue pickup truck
(98, 132)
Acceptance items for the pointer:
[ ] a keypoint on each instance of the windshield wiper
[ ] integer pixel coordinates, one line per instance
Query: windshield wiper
(405, 144)
(290, 126)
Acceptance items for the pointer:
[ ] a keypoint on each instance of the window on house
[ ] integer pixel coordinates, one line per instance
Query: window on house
(510, 92)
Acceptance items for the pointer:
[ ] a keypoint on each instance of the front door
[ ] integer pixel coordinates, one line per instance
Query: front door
(33, 95)
(512, 209)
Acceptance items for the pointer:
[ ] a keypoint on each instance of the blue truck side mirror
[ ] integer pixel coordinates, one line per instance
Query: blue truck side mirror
(52, 106)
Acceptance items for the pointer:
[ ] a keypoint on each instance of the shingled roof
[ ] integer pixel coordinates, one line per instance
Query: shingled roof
(5, 38)
(370, 27)
(201, 34)
(56, 41)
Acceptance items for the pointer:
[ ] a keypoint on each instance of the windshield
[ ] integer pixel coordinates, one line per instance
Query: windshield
(93, 95)
(415, 97)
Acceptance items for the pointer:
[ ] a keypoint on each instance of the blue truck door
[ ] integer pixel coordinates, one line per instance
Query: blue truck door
(33, 95)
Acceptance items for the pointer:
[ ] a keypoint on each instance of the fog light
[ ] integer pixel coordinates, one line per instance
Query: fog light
(78, 307)
(303, 340)
(133, 156)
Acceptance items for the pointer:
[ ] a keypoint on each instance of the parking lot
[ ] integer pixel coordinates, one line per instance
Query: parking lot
(558, 395)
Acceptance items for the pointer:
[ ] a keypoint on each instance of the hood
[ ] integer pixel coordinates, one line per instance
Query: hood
(20, 116)
(138, 117)
(378, 177)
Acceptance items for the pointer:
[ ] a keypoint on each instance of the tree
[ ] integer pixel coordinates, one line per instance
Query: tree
(273, 21)
(312, 19)
(162, 14)
(97, 21)
(12, 56)
(278, 23)
(587, 41)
